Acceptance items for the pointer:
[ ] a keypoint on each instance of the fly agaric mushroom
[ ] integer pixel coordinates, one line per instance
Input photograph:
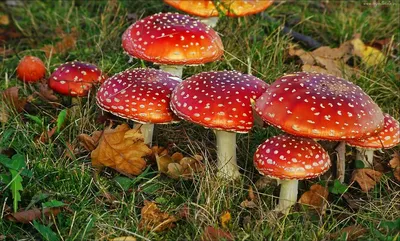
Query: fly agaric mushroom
(142, 95)
(289, 159)
(30, 69)
(172, 40)
(320, 106)
(221, 101)
(75, 78)
(387, 138)
(209, 12)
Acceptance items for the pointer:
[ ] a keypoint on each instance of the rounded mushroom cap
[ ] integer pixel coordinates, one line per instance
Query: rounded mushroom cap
(388, 137)
(172, 38)
(75, 78)
(30, 69)
(232, 8)
(319, 106)
(290, 157)
(219, 100)
(142, 95)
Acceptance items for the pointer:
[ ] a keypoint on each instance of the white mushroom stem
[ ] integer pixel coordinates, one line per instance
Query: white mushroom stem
(288, 195)
(226, 150)
(212, 21)
(147, 131)
(341, 161)
(173, 69)
(366, 156)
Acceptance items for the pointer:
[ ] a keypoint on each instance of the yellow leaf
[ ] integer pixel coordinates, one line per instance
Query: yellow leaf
(366, 178)
(225, 218)
(369, 55)
(4, 19)
(163, 162)
(154, 220)
(122, 149)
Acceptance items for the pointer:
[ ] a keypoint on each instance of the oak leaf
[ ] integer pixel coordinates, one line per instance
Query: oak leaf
(316, 197)
(366, 178)
(154, 220)
(122, 149)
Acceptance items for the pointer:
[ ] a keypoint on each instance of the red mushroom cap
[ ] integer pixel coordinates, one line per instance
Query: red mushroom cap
(171, 38)
(30, 69)
(207, 8)
(142, 95)
(388, 137)
(218, 100)
(75, 78)
(319, 106)
(291, 157)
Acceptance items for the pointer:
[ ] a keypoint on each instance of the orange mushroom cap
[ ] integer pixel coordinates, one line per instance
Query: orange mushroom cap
(31, 69)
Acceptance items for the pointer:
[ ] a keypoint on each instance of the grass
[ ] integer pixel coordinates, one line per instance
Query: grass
(252, 45)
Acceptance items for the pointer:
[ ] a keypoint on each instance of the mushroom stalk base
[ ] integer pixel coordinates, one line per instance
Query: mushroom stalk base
(147, 131)
(341, 161)
(288, 195)
(212, 21)
(173, 69)
(226, 150)
(366, 156)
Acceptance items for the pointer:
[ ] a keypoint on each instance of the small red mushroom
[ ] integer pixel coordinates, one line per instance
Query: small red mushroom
(208, 11)
(30, 69)
(221, 101)
(142, 95)
(387, 138)
(289, 159)
(172, 40)
(320, 106)
(75, 78)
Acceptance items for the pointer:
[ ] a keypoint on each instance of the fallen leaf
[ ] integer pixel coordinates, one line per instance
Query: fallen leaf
(366, 178)
(265, 182)
(46, 93)
(69, 152)
(214, 234)
(4, 19)
(352, 233)
(177, 166)
(394, 163)
(162, 163)
(248, 204)
(67, 42)
(122, 149)
(316, 197)
(126, 238)
(252, 197)
(10, 96)
(369, 55)
(32, 214)
(90, 142)
(225, 218)
(154, 220)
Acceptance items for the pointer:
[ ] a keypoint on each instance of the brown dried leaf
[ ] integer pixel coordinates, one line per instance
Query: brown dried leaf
(122, 149)
(4, 19)
(46, 135)
(394, 163)
(69, 152)
(46, 93)
(252, 197)
(186, 168)
(32, 214)
(90, 142)
(10, 97)
(163, 162)
(154, 220)
(225, 218)
(212, 234)
(248, 204)
(366, 178)
(316, 197)
(125, 238)
(352, 233)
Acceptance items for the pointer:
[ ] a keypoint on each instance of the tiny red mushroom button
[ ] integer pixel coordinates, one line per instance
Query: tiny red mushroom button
(289, 157)
(319, 106)
(219, 100)
(75, 78)
(142, 95)
(172, 38)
